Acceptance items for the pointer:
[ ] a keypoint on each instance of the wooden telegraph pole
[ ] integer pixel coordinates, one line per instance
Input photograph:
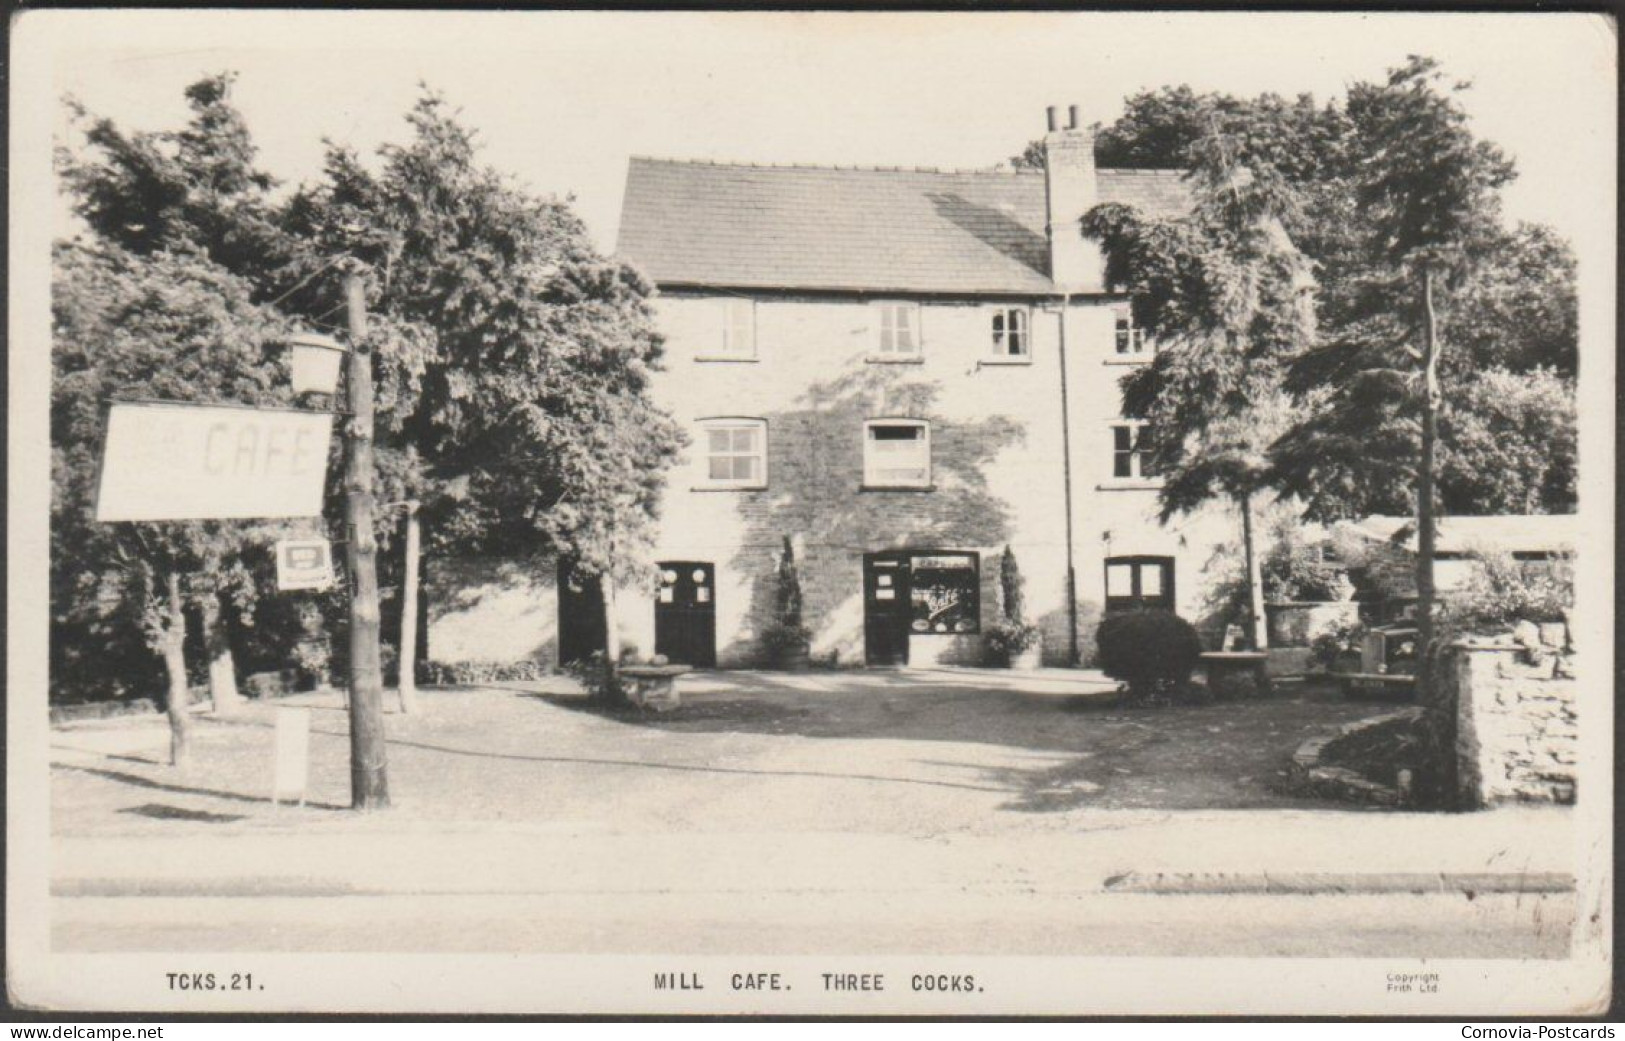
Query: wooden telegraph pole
(369, 786)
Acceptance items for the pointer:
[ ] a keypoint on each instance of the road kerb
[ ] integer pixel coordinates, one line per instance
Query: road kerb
(1467, 883)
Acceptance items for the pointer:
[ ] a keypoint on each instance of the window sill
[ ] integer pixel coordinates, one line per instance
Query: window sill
(1129, 359)
(895, 361)
(897, 487)
(1012, 360)
(1130, 484)
(724, 358)
(728, 488)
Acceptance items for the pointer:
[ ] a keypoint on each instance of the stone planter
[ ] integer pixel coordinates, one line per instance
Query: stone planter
(1028, 660)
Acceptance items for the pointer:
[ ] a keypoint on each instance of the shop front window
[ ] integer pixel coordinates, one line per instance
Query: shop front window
(944, 593)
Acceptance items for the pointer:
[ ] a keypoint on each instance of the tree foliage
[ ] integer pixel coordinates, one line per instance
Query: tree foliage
(1510, 307)
(511, 361)
(167, 325)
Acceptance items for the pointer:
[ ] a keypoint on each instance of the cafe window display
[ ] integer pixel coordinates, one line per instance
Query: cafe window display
(945, 593)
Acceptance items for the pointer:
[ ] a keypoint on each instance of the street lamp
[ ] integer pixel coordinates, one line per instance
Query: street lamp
(315, 360)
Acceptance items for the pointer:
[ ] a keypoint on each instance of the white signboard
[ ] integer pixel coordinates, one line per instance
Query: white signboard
(174, 461)
(292, 770)
(304, 564)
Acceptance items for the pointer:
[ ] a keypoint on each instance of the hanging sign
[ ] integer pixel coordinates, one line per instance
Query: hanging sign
(178, 461)
(304, 564)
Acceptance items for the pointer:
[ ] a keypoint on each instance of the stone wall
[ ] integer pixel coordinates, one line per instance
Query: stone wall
(1516, 731)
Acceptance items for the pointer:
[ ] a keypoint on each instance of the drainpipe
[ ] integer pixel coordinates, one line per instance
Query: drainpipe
(1072, 656)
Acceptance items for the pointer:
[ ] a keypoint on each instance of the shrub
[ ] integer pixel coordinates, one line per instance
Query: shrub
(1341, 639)
(1504, 591)
(786, 639)
(1006, 638)
(1012, 634)
(1154, 652)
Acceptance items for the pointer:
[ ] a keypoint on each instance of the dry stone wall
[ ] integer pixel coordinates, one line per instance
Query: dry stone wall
(1516, 734)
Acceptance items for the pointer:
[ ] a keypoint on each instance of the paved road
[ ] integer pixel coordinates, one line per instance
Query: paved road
(784, 815)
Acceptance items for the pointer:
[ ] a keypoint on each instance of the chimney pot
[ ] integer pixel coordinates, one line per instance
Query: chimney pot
(1072, 117)
(1054, 118)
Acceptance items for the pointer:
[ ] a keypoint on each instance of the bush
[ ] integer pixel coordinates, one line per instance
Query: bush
(1154, 652)
(1005, 639)
(1330, 645)
(1504, 591)
(785, 639)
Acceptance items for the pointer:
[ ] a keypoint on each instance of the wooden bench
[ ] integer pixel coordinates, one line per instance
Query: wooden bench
(652, 686)
(1217, 664)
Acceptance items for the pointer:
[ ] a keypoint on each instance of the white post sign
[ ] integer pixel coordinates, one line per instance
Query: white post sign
(292, 755)
(177, 461)
(304, 564)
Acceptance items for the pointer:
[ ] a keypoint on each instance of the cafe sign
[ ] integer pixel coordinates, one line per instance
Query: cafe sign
(174, 461)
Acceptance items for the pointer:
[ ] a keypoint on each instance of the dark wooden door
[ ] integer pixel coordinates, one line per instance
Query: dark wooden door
(581, 615)
(686, 613)
(885, 608)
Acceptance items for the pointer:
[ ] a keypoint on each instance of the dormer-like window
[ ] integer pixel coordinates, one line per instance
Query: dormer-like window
(896, 453)
(899, 331)
(735, 334)
(1010, 336)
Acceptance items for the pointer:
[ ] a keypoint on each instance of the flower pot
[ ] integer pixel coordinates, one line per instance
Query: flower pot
(1029, 659)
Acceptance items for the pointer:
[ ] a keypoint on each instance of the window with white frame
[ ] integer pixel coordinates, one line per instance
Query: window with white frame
(1131, 340)
(899, 326)
(1131, 450)
(737, 337)
(1010, 337)
(733, 453)
(896, 453)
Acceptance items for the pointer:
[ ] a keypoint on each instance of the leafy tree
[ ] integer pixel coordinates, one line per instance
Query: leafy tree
(1428, 191)
(1515, 311)
(512, 361)
(167, 325)
(526, 403)
(1227, 295)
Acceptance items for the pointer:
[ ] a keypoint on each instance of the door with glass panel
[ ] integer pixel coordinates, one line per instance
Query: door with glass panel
(686, 613)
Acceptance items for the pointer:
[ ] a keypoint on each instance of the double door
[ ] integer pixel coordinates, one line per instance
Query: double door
(686, 613)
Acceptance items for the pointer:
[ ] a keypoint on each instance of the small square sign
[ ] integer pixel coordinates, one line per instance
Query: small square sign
(304, 564)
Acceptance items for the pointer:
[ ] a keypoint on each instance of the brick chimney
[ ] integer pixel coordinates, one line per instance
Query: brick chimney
(1070, 192)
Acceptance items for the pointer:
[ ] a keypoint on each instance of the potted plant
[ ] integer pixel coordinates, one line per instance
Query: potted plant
(1012, 640)
(786, 640)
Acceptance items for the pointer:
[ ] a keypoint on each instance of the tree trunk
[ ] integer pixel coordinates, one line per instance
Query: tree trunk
(180, 719)
(222, 667)
(612, 642)
(407, 682)
(1257, 630)
(1425, 507)
(369, 784)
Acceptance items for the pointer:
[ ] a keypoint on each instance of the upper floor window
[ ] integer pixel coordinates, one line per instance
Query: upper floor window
(735, 340)
(1010, 337)
(733, 453)
(1131, 340)
(896, 453)
(899, 325)
(1131, 450)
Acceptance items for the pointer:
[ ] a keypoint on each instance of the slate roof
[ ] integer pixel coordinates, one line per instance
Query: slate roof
(863, 229)
(1507, 533)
